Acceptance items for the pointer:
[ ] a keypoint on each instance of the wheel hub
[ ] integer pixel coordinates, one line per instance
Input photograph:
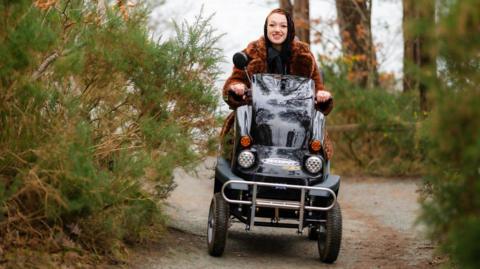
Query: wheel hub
(211, 224)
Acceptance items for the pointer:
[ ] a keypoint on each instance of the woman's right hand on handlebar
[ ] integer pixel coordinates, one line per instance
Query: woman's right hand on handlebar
(238, 88)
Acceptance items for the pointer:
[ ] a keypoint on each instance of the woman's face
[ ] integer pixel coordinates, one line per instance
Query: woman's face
(277, 28)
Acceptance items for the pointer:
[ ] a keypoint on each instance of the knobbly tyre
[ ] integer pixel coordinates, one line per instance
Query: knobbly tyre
(278, 175)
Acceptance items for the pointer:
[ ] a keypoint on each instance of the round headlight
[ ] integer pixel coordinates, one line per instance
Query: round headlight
(246, 159)
(313, 164)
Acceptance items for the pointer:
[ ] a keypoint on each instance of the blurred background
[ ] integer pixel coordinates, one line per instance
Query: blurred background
(241, 22)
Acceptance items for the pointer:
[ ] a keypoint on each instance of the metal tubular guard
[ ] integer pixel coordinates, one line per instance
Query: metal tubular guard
(271, 203)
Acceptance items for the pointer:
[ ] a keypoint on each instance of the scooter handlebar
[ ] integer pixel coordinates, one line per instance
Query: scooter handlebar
(247, 95)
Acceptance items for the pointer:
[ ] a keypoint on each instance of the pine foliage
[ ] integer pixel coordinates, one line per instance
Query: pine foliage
(94, 116)
(451, 208)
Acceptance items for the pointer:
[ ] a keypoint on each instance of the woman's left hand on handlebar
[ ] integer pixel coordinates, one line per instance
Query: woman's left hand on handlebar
(323, 96)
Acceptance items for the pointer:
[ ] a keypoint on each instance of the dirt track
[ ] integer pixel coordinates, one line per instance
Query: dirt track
(378, 231)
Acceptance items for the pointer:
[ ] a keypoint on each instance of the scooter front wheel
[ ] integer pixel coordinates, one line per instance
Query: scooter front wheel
(330, 238)
(217, 228)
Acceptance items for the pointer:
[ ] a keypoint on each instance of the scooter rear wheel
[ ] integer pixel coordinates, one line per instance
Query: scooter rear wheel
(313, 233)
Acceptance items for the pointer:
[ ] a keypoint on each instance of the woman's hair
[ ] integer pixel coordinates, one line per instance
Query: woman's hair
(287, 44)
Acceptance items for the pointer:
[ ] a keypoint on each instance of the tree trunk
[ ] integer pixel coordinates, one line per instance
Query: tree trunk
(354, 20)
(409, 44)
(301, 16)
(418, 55)
(287, 5)
(300, 11)
(428, 57)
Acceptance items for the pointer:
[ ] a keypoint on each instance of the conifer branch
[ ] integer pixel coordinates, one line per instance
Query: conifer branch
(44, 65)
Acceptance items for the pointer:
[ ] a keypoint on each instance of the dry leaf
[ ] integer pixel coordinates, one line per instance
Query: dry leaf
(45, 4)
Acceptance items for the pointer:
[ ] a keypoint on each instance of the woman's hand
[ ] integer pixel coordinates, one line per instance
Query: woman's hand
(323, 96)
(238, 88)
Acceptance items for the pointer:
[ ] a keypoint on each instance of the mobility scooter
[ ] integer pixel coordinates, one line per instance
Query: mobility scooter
(278, 175)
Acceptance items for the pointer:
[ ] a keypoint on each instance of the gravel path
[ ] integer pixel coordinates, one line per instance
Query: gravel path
(378, 230)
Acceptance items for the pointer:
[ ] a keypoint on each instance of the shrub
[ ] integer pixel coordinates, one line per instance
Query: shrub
(94, 116)
(379, 126)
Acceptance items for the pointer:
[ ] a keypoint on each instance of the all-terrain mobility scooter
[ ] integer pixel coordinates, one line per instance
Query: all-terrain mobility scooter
(278, 175)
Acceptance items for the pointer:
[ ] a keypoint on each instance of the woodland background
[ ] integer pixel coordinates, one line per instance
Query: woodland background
(95, 114)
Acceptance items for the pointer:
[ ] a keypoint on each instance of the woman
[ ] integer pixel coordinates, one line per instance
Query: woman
(278, 52)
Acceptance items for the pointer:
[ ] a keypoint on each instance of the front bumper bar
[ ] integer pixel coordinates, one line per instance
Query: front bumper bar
(271, 203)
